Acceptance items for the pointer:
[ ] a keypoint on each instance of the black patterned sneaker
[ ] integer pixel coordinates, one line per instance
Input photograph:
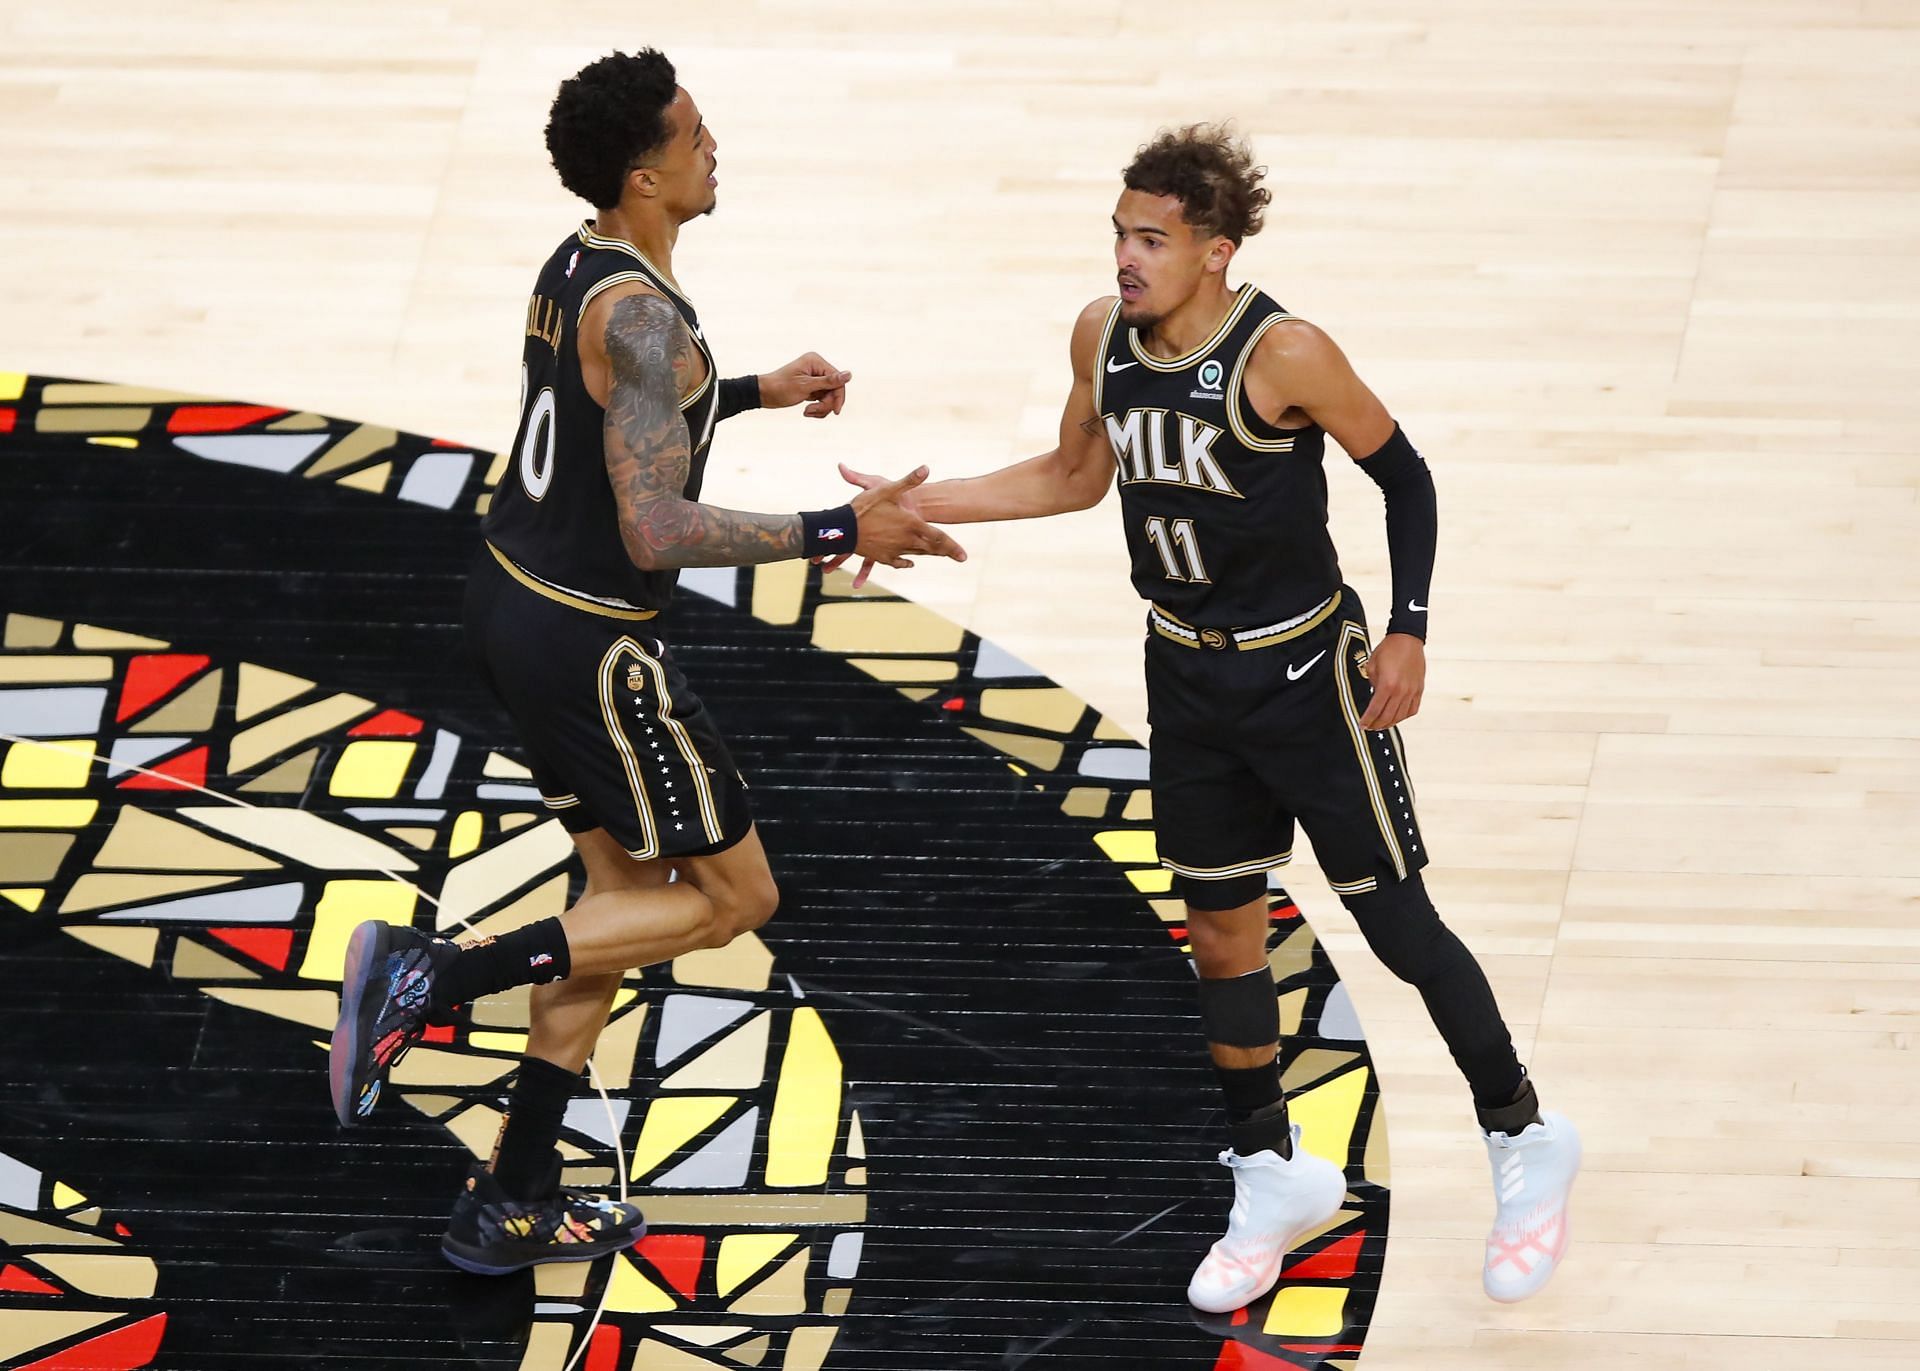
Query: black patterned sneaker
(491, 1234)
(383, 1010)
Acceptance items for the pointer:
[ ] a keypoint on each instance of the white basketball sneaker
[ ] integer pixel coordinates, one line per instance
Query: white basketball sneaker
(1533, 1173)
(1275, 1200)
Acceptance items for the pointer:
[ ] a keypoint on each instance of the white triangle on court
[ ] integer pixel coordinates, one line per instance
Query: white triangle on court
(590, 1116)
(280, 452)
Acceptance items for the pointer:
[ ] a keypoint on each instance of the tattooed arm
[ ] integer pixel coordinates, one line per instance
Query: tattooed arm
(649, 454)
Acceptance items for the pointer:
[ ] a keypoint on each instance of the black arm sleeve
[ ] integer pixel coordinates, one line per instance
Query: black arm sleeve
(737, 393)
(1413, 529)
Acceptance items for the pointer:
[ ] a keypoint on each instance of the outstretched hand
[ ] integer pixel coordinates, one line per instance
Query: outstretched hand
(812, 378)
(890, 527)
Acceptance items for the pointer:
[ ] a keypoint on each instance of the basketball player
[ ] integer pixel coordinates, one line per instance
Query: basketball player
(1268, 700)
(583, 543)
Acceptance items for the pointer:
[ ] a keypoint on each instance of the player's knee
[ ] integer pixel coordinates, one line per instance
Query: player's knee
(744, 909)
(759, 905)
(1219, 947)
(1401, 927)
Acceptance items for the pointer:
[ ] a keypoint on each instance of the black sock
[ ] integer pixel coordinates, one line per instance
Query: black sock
(1256, 1108)
(1512, 1118)
(523, 1159)
(532, 955)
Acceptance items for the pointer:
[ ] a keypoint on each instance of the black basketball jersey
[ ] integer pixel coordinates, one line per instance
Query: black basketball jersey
(554, 514)
(1226, 514)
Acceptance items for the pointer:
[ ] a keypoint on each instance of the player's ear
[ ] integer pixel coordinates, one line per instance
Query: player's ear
(644, 182)
(1220, 254)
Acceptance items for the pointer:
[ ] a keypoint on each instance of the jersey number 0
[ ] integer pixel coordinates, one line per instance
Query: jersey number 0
(537, 443)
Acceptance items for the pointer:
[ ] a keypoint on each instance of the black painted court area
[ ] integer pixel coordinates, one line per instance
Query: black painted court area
(1018, 1033)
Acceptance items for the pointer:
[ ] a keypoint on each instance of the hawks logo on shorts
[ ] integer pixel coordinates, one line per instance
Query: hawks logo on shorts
(635, 676)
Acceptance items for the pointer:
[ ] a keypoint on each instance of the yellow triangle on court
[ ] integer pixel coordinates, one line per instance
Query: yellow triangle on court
(744, 1255)
(137, 945)
(629, 1292)
(27, 899)
(93, 639)
(1327, 1114)
(671, 1121)
(261, 688)
(144, 841)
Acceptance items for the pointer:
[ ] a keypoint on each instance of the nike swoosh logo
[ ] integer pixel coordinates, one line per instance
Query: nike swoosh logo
(1111, 368)
(1294, 673)
(1416, 608)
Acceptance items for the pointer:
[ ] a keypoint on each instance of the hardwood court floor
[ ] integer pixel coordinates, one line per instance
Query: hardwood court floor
(1641, 281)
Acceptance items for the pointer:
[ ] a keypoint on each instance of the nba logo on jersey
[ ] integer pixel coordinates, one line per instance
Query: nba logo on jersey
(573, 262)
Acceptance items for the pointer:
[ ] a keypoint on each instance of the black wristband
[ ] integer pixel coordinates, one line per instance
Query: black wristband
(829, 532)
(738, 393)
(1413, 529)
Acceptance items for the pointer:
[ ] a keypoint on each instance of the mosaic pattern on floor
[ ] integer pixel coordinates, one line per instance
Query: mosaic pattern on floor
(729, 1104)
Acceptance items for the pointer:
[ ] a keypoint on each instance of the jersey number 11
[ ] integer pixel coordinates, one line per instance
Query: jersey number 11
(1178, 547)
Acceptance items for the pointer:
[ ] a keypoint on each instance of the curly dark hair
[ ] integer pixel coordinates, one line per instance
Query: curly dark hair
(1212, 174)
(606, 118)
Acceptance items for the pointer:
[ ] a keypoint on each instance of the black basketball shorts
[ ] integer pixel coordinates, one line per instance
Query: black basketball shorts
(1245, 742)
(615, 736)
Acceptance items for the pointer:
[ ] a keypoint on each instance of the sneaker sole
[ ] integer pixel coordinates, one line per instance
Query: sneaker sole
(367, 947)
(479, 1262)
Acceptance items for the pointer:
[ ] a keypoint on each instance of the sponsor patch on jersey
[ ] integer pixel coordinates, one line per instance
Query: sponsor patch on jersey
(1211, 376)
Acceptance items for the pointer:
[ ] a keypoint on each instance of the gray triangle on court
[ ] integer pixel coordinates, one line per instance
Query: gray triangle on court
(1339, 1020)
(131, 752)
(280, 452)
(263, 904)
(435, 478)
(1115, 763)
(722, 1164)
(993, 662)
(19, 1184)
(686, 1020)
(589, 1116)
(720, 583)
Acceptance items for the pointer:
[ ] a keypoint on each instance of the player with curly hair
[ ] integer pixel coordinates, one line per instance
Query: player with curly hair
(1268, 701)
(584, 541)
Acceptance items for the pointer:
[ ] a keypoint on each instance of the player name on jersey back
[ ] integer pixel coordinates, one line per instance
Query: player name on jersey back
(555, 516)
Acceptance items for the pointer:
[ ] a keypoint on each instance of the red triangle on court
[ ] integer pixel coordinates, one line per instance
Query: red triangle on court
(1334, 1262)
(388, 723)
(13, 1278)
(6, 420)
(1237, 1356)
(270, 945)
(676, 1256)
(217, 418)
(603, 1352)
(124, 1349)
(187, 770)
(152, 676)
